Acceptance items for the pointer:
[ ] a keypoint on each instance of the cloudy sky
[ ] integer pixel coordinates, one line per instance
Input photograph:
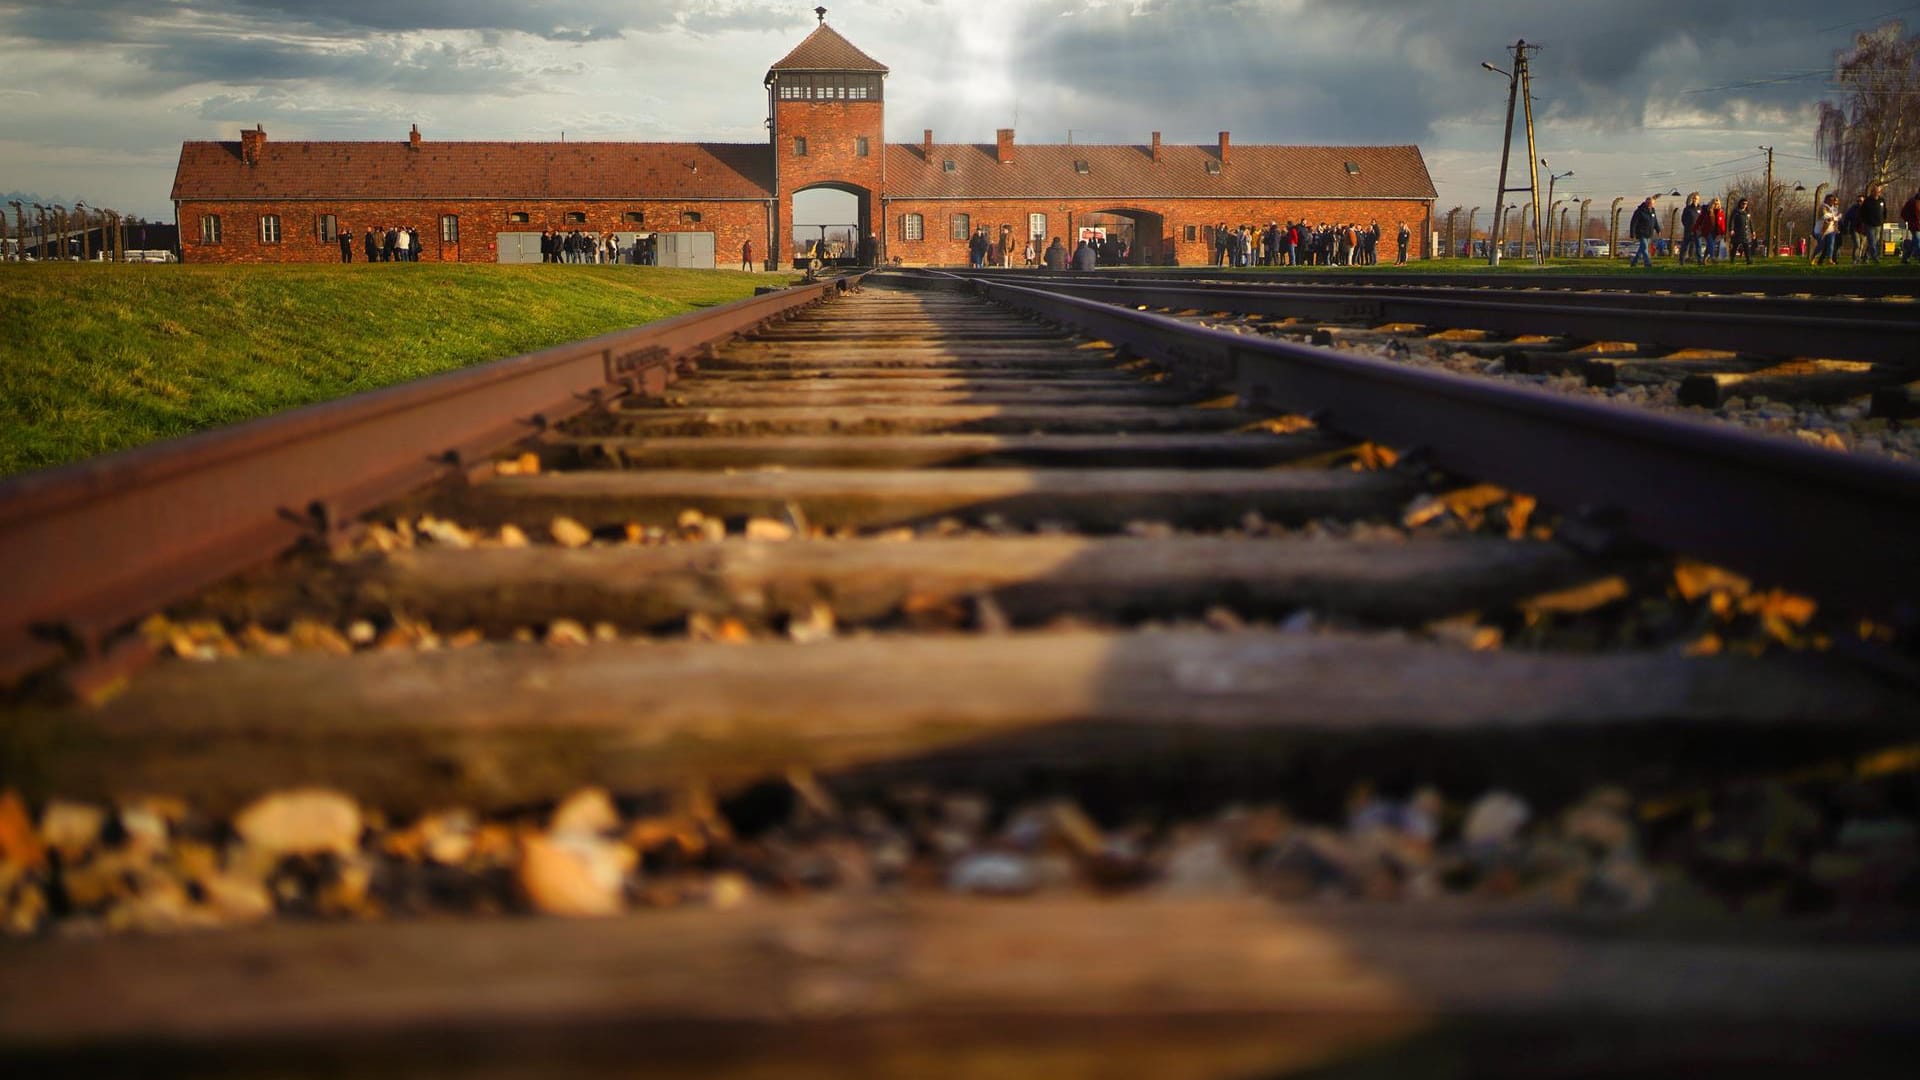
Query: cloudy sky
(1632, 95)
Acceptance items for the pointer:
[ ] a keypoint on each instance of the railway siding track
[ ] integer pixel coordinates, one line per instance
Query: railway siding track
(895, 532)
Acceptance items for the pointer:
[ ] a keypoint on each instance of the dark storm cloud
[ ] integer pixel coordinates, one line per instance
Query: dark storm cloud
(1391, 70)
(555, 20)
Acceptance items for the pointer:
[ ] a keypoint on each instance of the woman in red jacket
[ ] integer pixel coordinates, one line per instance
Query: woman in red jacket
(1713, 230)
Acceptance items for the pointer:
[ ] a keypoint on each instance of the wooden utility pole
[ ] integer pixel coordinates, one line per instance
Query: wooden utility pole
(1770, 248)
(1518, 83)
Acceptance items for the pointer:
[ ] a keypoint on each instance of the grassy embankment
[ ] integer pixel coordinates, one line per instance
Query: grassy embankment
(100, 358)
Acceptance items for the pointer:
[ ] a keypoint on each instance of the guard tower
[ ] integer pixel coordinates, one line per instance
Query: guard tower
(826, 118)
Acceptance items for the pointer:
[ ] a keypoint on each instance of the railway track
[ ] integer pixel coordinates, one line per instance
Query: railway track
(898, 535)
(1705, 347)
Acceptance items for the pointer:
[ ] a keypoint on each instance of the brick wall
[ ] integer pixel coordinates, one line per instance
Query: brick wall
(481, 222)
(832, 130)
(940, 249)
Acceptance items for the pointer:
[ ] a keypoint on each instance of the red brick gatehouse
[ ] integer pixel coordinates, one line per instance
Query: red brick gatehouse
(259, 201)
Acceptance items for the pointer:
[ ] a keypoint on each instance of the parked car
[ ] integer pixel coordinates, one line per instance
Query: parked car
(1595, 249)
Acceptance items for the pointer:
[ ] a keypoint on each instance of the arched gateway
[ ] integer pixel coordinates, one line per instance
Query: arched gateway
(256, 201)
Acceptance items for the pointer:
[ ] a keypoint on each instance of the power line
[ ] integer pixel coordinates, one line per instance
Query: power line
(1869, 19)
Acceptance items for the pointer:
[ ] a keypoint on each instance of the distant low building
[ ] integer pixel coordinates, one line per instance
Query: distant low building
(256, 201)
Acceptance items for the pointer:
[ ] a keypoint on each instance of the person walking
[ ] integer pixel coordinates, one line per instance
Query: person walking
(1713, 230)
(1740, 230)
(1689, 230)
(1910, 217)
(346, 243)
(1826, 233)
(1873, 216)
(746, 256)
(1644, 226)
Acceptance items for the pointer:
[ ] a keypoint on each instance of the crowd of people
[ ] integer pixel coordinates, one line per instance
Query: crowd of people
(1715, 233)
(1305, 243)
(391, 243)
(587, 248)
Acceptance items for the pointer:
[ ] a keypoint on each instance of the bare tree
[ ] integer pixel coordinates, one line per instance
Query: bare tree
(1873, 136)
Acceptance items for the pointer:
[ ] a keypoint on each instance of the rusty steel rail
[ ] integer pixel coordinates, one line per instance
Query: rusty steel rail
(89, 547)
(1537, 293)
(1809, 284)
(1836, 526)
(1594, 317)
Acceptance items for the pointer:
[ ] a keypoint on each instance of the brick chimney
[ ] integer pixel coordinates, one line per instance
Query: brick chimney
(926, 146)
(413, 137)
(253, 144)
(1003, 145)
(1156, 148)
(1225, 145)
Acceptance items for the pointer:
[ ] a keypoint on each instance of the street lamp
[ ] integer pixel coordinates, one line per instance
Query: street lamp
(86, 241)
(1468, 250)
(1551, 180)
(19, 230)
(40, 238)
(1506, 149)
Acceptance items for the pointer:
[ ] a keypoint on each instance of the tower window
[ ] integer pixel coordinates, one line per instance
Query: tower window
(860, 145)
(913, 227)
(799, 146)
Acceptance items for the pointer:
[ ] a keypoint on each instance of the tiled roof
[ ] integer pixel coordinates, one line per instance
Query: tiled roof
(1120, 172)
(826, 50)
(476, 170)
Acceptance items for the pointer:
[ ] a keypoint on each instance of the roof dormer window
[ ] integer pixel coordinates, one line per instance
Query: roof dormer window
(949, 166)
(1213, 168)
(1080, 166)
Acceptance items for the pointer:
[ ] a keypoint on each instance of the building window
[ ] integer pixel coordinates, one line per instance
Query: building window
(913, 227)
(1080, 166)
(689, 217)
(860, 145)
(960, 227)
(517, 217)
(270, 228)
(949, 166)
(1193, 233)
(449, 229)
(829, 86)
(327, 227)
(1036, 225)
(799, 146)
(210, 229)
(576, 217)
(635, 217)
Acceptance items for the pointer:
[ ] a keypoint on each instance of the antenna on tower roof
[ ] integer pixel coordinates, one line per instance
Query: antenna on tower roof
(822, 12)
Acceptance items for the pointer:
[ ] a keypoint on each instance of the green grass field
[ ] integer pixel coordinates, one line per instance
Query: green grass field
(97, 358)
